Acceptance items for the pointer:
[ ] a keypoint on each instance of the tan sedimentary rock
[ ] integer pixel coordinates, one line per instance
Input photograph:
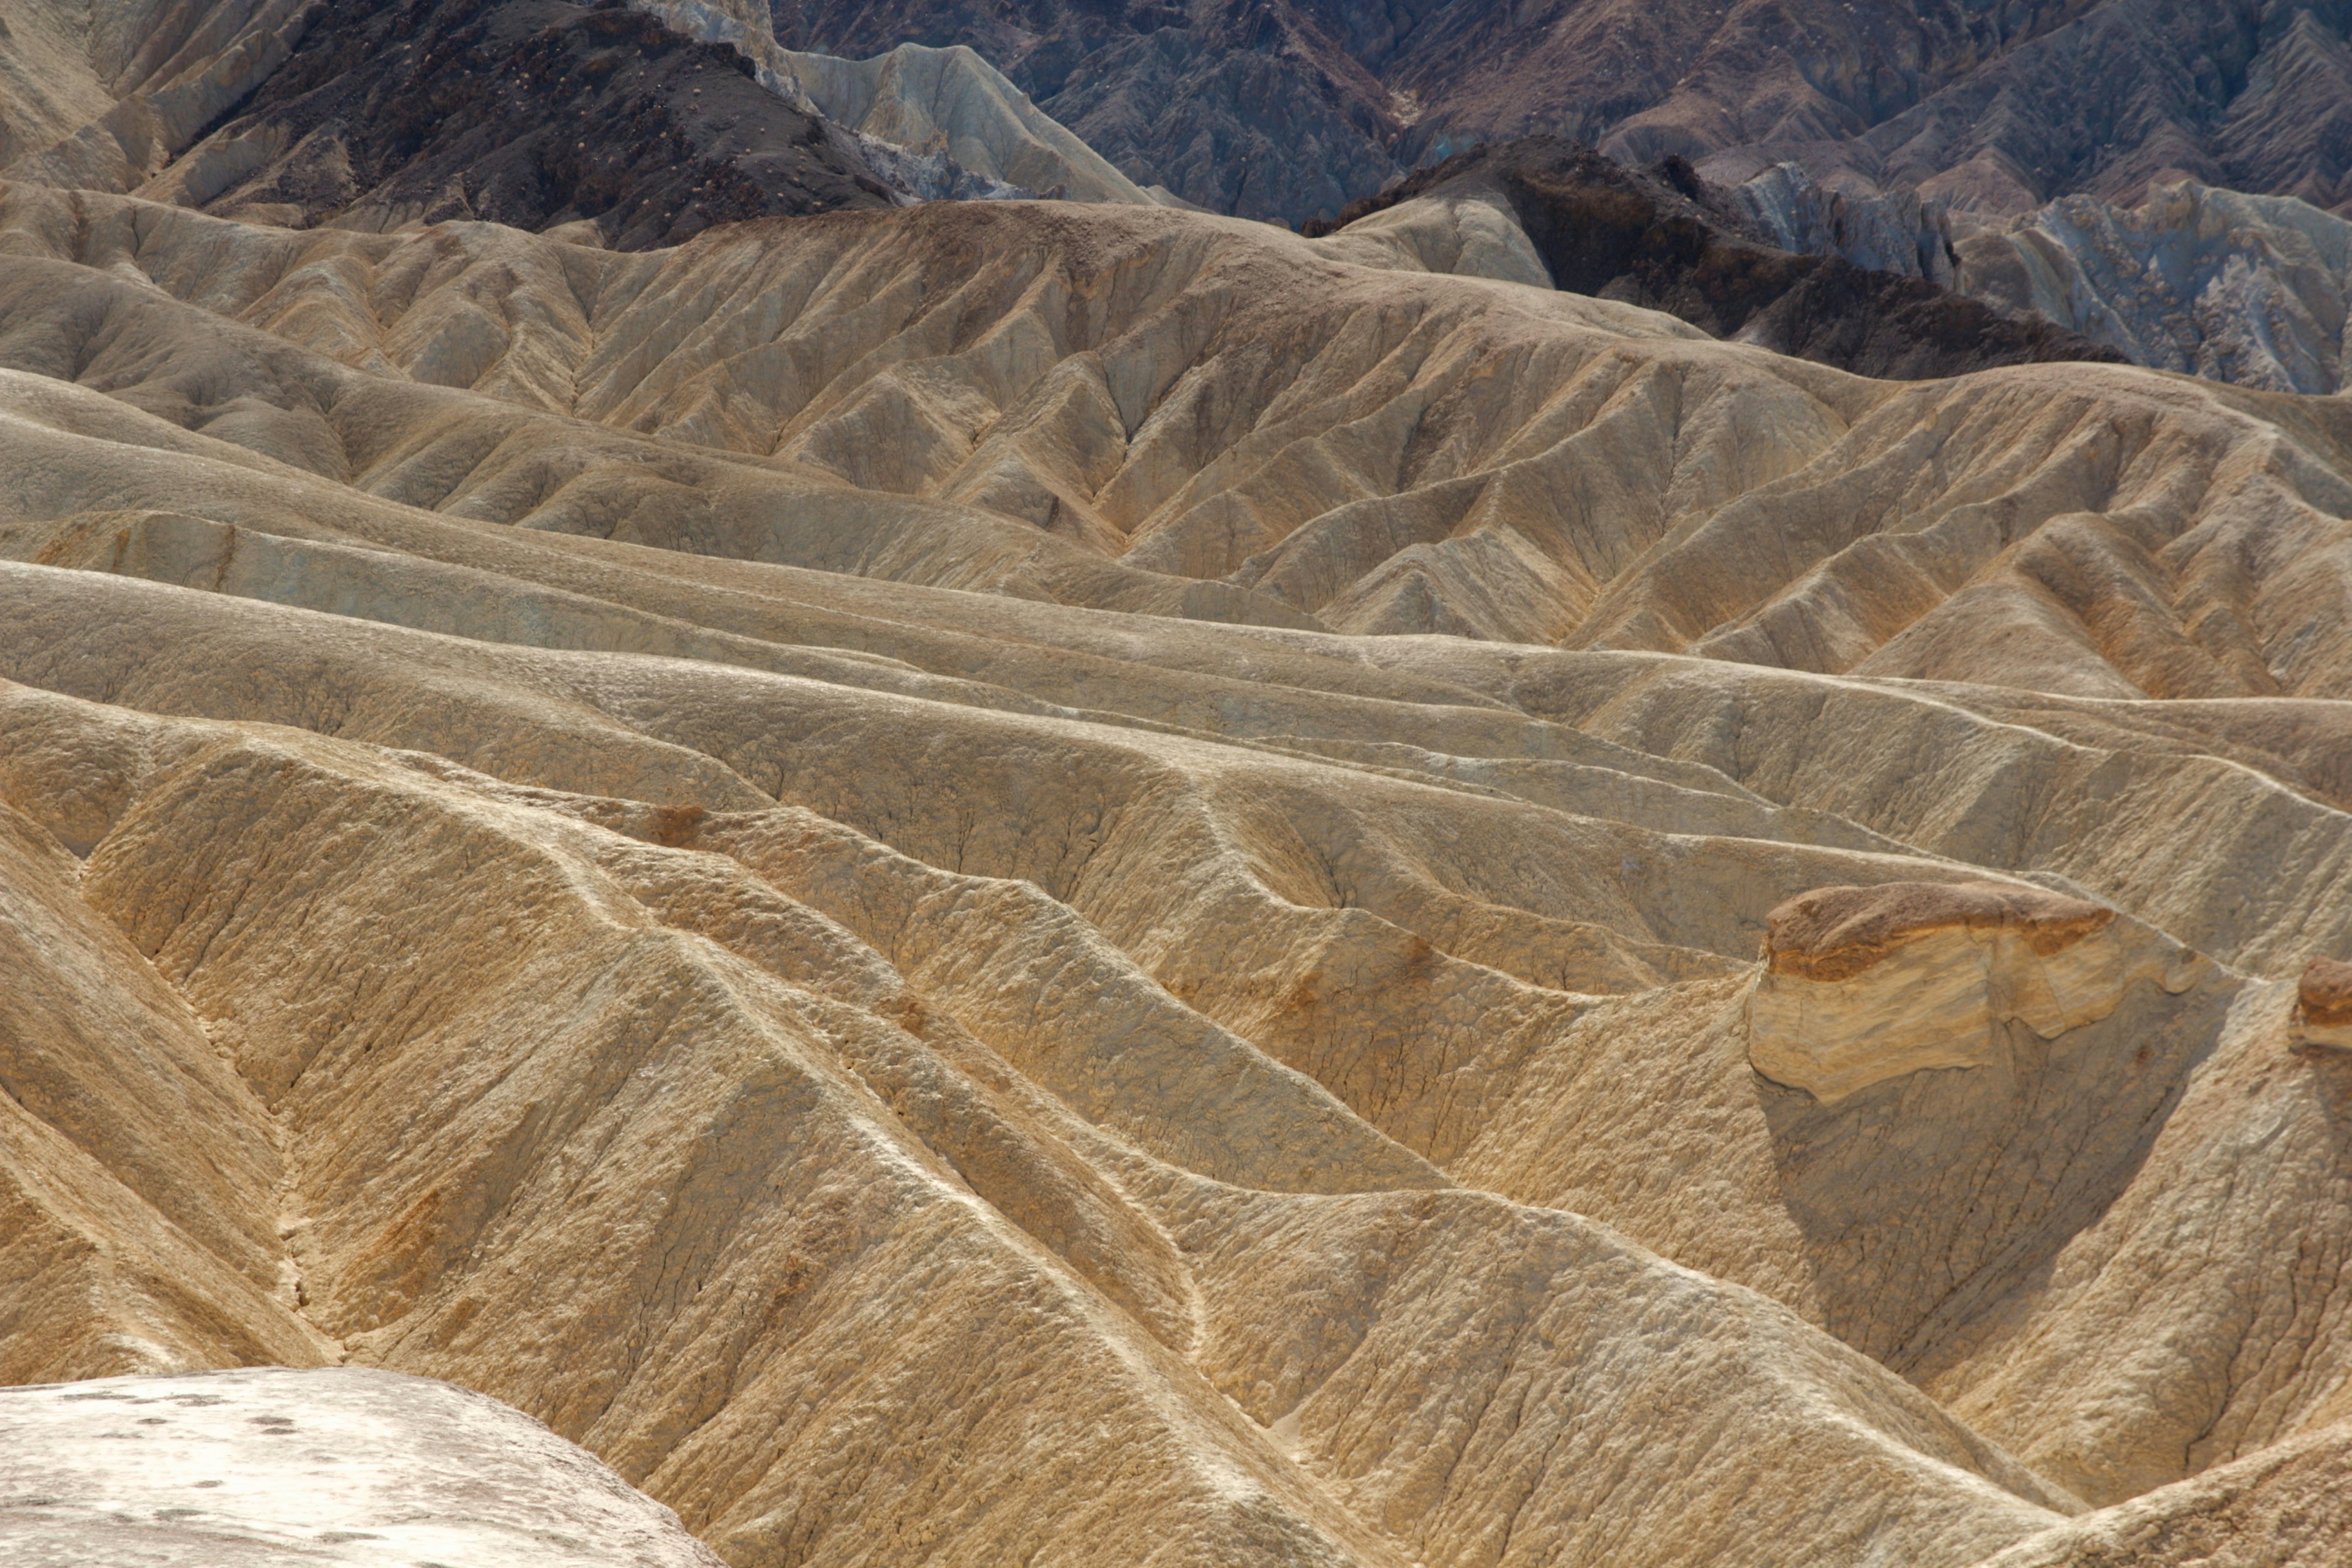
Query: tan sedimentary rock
(1138, 409)
(602, 855)
(2286, 1507)
(1861, 985)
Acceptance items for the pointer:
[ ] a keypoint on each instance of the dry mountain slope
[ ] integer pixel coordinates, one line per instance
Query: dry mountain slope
(622, 841)
(602, 120)
(1290, 109)
(1139, 409)
(2250, 289)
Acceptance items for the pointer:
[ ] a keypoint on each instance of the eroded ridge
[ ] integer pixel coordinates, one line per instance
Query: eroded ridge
(769, 852)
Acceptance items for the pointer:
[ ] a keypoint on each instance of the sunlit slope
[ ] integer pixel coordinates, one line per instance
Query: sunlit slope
(915, 1033)
(1053, 400)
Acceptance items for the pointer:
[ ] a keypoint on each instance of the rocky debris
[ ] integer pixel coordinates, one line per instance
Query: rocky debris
(270, 1466)
(1860, 984)
(2253, 290)
(1667, 240)
(2323, 1006)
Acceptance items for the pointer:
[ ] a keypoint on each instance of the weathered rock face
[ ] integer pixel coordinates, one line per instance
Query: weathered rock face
(528, 112)
(1894, 232)
(627, 124)
(2254, 95)
(270, 1465)
(1668, 241)
(2250, 289)
(1863, 984)
(790, 855)
(948, 104)
(952, 100)
(104, 97)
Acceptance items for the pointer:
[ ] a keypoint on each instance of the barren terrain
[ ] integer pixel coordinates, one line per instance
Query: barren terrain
(1018, 882)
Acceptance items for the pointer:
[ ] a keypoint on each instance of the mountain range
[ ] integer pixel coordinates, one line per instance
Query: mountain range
(1272, 109)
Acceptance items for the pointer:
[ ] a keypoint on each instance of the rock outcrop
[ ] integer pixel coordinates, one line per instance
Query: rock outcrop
(1262, 110)
(1894, 232)
(2323, 1006)
(947, 102)
(620, 125)
(535, 113)
(954, 100)
(2108, 100)
(1863, 984)
(269, 1466)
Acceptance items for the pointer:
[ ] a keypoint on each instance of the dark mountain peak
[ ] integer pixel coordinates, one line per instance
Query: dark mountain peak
(528, 112)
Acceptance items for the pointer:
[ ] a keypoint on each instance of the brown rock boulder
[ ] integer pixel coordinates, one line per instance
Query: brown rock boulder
(2322, 1007)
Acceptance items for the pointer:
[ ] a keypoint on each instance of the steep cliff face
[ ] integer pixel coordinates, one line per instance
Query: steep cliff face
(1863, 985)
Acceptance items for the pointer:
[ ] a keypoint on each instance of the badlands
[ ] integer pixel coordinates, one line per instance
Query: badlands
(1063, 883)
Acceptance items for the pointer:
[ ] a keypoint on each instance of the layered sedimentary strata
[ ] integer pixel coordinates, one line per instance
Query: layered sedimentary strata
(1291, 111)
(1863, 984)
(2250, 289)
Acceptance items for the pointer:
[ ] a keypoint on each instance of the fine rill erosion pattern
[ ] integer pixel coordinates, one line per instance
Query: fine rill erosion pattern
(795, 856)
